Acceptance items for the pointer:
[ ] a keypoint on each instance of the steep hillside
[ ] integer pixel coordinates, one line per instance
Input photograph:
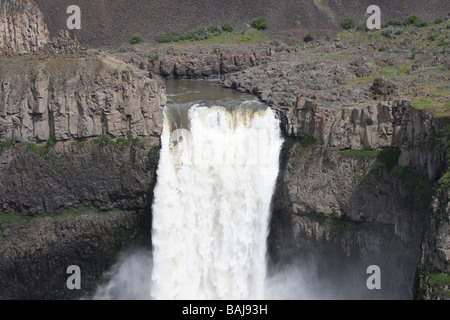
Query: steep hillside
(110, 23)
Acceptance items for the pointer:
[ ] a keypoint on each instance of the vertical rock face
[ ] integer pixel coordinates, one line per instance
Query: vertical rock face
(22, 27)
(77, 98)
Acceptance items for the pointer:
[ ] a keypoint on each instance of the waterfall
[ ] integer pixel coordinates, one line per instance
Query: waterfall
(216, 176)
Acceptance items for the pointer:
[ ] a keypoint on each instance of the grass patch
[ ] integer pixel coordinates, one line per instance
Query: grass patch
(386, 72)
(420, 104)
(303, 145)
(103, 140)
(79, 143)
(50, 143)
(388, 157)
(130, 142)
(250, 35)
(6, 145)
(41, 151)
(6, 220)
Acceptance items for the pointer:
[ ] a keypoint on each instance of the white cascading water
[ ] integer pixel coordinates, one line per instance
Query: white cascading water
(211, 208)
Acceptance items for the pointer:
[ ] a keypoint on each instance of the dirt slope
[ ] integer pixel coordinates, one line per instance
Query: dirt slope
(111, 22)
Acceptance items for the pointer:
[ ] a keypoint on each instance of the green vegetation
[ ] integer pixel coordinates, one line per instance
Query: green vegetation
(382, 49)
(444, 139)
(439, 279)
(133, 142)
(50, 143)
(103, 140)
(192, 35)
(122, 141)
(415, 21)
(420, 104)
(123, 48)
(227, 27)
(154, 57)
(6, 220)
(388, 157)
(385, 72)
(340, 228)
(418, 183)
(6, 145)
(136, 39)
(439, 21)
(309, 37)
(259, 23)
(393, 22)
(432, 35)
(39, 150)
(303, 145)
(348, 23)
(152, 159)
(34, 76)
(79, 143)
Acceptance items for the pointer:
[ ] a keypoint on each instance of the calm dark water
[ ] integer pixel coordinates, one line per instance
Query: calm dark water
(183, 94)
(207, 92)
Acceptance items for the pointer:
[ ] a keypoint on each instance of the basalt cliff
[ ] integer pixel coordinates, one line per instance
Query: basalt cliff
(363, 177)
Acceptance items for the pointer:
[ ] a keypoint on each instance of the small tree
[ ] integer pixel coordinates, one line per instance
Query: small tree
(136, 38)
(309, 37)
(227, 27)
(348, 23)
(259, 23)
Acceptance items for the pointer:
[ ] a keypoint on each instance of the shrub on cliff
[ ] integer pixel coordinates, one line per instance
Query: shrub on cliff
(309, 37)
(413, 20)
(191, 35)
(348, 23)
(259, 23)
(136, 38)
(227, 27)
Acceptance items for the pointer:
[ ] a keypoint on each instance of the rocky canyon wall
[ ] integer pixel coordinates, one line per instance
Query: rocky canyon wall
(79, 144)
(22, 27)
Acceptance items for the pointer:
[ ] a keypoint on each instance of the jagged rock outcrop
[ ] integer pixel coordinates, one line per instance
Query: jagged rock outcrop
(198, 61)
(22, 27)
(64, 44)
(77, 98)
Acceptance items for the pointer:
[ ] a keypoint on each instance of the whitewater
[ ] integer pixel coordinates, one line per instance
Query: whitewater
(216, 176)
